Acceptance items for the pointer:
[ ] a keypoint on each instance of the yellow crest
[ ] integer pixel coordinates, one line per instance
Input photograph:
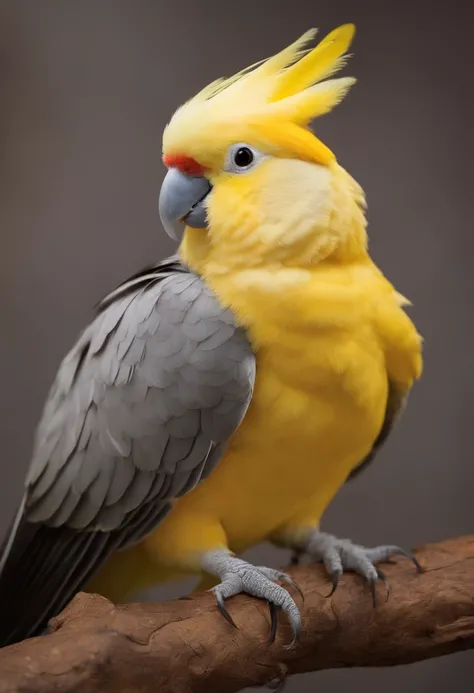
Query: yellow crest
(273, 100)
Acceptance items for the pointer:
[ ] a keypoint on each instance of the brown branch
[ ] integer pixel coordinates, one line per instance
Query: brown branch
(185, 646)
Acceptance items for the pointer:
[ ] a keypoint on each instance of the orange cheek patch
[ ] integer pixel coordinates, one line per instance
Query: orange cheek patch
(185, 164)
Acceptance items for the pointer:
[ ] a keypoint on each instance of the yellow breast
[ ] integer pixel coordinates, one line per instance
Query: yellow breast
(318, 404)
(317, 409)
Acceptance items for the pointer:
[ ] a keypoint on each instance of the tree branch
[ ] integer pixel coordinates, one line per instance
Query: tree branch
(185, 646)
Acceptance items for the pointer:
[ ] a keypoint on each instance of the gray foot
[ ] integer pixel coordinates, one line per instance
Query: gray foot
(238, 577)
(339, 555)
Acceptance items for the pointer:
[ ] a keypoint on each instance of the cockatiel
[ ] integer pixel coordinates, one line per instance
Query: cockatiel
(222, 397)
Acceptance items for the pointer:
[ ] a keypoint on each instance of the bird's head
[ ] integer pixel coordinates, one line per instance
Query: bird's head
(249, 183)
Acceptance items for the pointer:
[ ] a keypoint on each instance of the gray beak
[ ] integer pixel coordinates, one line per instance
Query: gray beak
(182, 202)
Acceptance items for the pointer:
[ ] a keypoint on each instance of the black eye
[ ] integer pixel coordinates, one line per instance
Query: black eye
(243, 157)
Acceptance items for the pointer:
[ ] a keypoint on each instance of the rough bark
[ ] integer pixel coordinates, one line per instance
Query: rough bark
(186, 646)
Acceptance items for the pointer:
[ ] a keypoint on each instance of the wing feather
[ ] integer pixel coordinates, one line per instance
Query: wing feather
(139, 412)
(396, 402)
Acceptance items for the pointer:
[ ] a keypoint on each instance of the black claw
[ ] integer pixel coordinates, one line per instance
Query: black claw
(296, 626)
(295, 641)
(273, 620)
(386, 583)
(409, 554)
(223, 610)
(415, 562)
(295, 585)
(373, 589)
(335, 581)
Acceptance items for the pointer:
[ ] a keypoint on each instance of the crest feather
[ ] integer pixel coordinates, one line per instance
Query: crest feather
(293, 71)
(323, 61)
(260, 70)
(285, 89)
(317, 100)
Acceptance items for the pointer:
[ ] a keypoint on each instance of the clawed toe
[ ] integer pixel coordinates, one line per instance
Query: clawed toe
(385, 554)
(223, 610)
(273, 620)
(383, 577)
(340, 555)
(335, 575)
(241, 577)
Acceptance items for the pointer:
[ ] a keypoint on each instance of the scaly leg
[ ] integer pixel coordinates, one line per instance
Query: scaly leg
(338, 555)
(238, 576)
(191, 541)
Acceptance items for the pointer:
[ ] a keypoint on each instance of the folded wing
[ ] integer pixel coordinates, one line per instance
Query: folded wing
(139, 413)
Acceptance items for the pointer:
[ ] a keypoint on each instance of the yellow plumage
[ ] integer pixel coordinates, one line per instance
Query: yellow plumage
(280, 95)
(286, 250)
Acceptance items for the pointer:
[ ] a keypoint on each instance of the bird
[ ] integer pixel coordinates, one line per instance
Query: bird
(221, 397)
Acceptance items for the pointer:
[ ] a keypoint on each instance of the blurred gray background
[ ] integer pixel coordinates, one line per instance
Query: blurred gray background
(86, 88)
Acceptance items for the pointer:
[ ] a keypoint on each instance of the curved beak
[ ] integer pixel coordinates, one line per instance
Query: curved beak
(182, 202)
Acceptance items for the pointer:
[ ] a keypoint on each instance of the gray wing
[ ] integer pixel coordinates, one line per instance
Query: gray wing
(138, 414)
(396, 402)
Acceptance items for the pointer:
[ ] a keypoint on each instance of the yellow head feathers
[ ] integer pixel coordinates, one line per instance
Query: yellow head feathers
(270, 104)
